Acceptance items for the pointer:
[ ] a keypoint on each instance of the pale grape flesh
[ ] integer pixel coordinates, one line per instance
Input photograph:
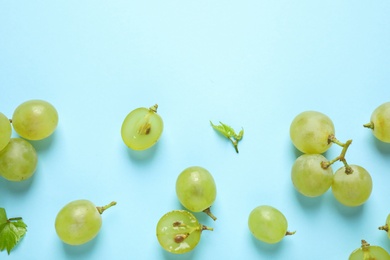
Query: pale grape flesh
(142, 128)
(5, 131)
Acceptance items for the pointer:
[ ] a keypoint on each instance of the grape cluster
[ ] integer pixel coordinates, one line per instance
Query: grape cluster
(313, 133)
(31, 120)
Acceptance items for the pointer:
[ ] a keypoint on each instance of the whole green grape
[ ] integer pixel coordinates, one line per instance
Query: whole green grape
(309, 177)
(18, 160)
(5, 131)
(196, 189)
(79, 221)
(35, 119)
(369, 252)
(268, 224)
(179, 231)
(352, 189)
(380, 122)
(142, 128)
(310, 132)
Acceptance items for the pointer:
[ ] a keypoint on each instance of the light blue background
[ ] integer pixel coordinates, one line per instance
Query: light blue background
(251, 64)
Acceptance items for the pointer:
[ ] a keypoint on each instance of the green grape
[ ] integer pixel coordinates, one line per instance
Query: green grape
(35, 119)
(196, 190)
(369, 252)
(268, 224)
(18, 160)
(386, 227)
(309, 177)
(79, 221)
(142, 128)
(352, 189)
(179, 231)
(5, 131)
(310, 132)
(380, 122)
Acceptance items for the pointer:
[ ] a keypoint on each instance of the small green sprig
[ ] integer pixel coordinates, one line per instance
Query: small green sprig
(229, 133)
(11, 231)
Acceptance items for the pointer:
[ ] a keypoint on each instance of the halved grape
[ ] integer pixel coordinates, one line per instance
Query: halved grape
(268, 224)
(18, 160)
(309, 177)
(380, 122)
(196, 189)
(310, 132)
(179, 231)
(79, 221)
(369, 252)
(142, 128)
(35, 119)
(5, 131)
(352, 189)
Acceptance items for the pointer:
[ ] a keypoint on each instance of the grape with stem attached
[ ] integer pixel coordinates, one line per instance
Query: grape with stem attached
(79, 221)
(310, 132)
(142, 128)
(196, 189)
(380, 122)
(369, 252)
(268, 224)
(179, 231)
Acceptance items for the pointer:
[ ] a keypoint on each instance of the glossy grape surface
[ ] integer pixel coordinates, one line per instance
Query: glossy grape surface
(78, 222)
(178, 231)
(310, 131)
(380, 122)
(267, 224)
(5, 131)
(142, 128)
(196, 189)
(18, 160)
(308, 177)
(35, 119)
(352, 189)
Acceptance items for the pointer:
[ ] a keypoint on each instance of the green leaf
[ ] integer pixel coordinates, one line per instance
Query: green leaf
(11, 231)
(229, 133)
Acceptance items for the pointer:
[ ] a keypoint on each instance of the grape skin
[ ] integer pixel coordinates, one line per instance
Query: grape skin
(78, 222)
(352, 189)
(310, 132)
(18, 160)
(267, 224)
(369, 253)
(173, 225)
(5, 131)
(380, 122)
(142, 128)
(35, 119)
(196, 189)
(308, 176)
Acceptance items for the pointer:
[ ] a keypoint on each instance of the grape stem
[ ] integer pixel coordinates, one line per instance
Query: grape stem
(369, 125)
(385, 228)
(289, 233)
(102, 209)
(341, 157)
(179, 238)
(208, 212)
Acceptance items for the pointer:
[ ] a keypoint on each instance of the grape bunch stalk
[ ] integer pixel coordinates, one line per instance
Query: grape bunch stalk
(313, 133)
